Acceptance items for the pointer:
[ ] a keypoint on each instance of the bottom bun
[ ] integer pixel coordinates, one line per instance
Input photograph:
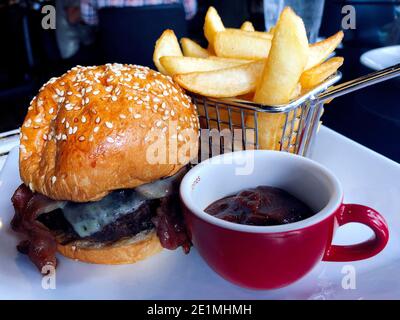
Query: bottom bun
(139, 247)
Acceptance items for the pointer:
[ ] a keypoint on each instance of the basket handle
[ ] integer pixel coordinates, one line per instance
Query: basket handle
(359, 83)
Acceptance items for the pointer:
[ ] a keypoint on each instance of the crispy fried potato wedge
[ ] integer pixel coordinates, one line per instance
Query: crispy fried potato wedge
(270, 130)
(314, 76)
(286, 61)
(272, 30)
(180, 65)
(211, 50)
(231, 59)
(193, 49)
(261, 34)
(320, 51)
(166, 45)
(241, 45)
(212, 25)
(222, 83)
(247, 26)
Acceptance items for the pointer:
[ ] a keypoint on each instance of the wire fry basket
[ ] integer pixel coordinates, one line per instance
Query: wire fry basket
(231, 124)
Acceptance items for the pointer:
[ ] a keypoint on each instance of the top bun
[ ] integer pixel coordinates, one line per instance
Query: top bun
(98, 129)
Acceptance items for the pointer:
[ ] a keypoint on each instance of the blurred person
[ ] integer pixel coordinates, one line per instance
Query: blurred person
(74, 38)
(89, 7)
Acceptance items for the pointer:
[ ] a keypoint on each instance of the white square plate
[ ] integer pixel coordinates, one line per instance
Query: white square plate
(367, 178)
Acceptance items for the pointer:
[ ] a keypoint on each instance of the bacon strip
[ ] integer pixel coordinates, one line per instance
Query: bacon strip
(40, 246)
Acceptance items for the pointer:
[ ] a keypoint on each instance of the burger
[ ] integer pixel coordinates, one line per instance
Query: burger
(102, 153)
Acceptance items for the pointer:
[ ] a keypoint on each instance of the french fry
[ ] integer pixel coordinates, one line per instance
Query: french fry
(166, 45)
(192, 49)
(314, 76)
(286, 61)
(320, 51)
(240, 45)
(222, 83)
(270, 130)
(181, 65)
(261, 34)
(272, 30)
(230, 59)
(212, 25)
(247, 26)
(211, 50)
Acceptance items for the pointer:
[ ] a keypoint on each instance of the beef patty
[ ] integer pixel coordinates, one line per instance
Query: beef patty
(125, 226)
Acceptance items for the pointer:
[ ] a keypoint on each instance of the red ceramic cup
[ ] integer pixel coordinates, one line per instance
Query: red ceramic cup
(267, 257)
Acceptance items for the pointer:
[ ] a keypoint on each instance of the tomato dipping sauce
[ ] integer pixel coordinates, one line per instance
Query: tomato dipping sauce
(260, 206)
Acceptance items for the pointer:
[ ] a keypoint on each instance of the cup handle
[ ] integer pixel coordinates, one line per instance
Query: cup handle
(369, 217)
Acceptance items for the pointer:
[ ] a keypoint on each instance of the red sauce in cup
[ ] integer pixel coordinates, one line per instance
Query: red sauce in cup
(261, 206)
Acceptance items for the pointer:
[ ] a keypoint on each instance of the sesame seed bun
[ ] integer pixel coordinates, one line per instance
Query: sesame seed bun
(139, 247)
(93, 130)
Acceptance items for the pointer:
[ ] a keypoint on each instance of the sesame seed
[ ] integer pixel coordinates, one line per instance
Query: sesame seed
(64, 137)
(51, 110)
(110, 140)
(109, 125)
(122, 116)
(158, 123)
(81, 138)
(70, 131)
(87, 100)
(53, 179)
(38, 120)
(180, 137)
(96, 129)
(137, 115)
(113, 98)
(69, 93)
(97, 120)
(83, 119)
(45, 137)
(75, 130)
(109, 88)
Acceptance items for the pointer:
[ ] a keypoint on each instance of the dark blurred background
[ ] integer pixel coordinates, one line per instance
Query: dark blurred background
(30, 54)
